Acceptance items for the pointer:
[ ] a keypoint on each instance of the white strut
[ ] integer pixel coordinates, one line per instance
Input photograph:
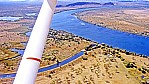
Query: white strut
(30, 62)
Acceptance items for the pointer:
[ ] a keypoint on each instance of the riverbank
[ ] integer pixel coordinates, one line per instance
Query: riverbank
(129, 20)
(100, 64)
(13, 35)
(60, 45)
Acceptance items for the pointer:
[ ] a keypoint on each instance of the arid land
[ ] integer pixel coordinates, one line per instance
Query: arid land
(130, 20)
(12, 35)
(60, 44)
(99, 64)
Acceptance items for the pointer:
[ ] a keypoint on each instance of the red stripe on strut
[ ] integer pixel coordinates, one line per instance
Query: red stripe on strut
(32, 58)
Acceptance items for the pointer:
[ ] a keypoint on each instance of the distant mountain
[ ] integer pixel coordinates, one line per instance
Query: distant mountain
(59, 5)
(109, 3)
(82, 3)
(62, 3)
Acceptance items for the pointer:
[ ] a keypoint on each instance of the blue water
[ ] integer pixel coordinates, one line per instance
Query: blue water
(19, 51)
(49, 67)
(62, 63)
(66, 21)
(131, 42)
(10, 18)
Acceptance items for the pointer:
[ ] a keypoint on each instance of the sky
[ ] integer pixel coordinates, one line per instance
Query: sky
(41, 0)
(60, 0)
(17, 0)
(78, 0)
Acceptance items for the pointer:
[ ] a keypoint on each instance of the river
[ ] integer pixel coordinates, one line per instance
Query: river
(131, 42)
(68, 22)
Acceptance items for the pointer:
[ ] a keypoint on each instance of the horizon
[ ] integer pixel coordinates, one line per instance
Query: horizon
(70, 0)
(42, 0)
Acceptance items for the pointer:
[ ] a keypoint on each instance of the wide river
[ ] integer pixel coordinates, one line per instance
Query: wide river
(131, 42)
(68, 22)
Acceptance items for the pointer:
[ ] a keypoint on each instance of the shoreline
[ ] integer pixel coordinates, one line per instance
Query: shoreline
(86, 56)
(53, 74)
(100, 62)
(92, 48)
(113, 29)
(105, 49)
(53, 45)
(118, 48)
(89, 17)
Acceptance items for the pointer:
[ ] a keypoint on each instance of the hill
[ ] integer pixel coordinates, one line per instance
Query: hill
(82, 3)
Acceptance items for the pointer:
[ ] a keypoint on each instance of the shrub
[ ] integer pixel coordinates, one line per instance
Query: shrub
(143, 72)
(119, 56)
